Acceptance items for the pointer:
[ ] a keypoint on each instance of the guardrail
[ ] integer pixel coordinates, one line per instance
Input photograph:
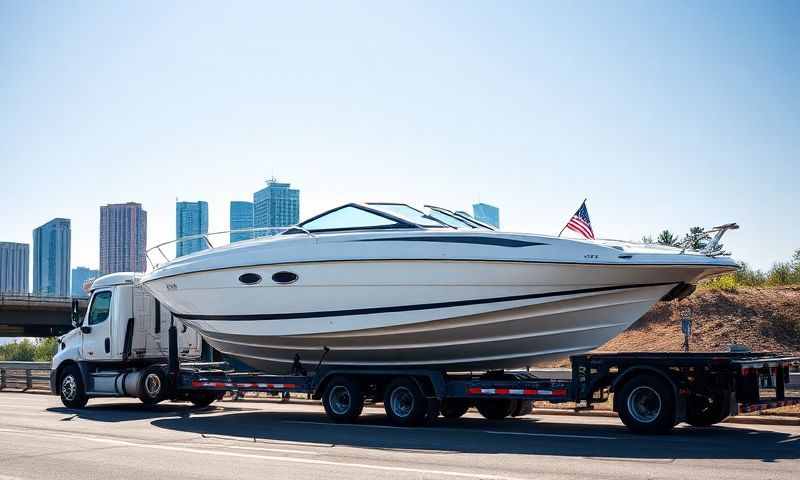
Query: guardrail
(33, 376)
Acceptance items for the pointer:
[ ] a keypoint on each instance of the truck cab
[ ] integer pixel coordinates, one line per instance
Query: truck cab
(123, 334)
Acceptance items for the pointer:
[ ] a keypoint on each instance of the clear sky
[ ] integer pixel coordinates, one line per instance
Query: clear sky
(663, 114)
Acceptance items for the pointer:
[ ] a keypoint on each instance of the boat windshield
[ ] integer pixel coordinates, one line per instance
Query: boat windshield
(410, 213)
(457, 217)
(349, 217)
(451, 220)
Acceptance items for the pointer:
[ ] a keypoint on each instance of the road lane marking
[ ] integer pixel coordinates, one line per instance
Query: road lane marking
(461, 430)
(239, 447)
(307, 461)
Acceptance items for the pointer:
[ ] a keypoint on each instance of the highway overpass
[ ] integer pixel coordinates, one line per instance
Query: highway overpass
(35, 316)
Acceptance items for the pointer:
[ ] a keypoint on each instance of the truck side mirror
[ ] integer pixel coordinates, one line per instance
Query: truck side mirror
(77, 321)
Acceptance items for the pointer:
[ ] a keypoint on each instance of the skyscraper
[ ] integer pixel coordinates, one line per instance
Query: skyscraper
(80, 275)
(277, 205)
(123, 236)
(51, 252)
(241, 218)
(191, 218)
(487, 214)
(14, 267)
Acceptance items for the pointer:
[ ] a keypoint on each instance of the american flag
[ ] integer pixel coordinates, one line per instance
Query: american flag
(580, 222)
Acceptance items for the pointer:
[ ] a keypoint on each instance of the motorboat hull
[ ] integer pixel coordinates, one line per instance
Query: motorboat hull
(444, 314)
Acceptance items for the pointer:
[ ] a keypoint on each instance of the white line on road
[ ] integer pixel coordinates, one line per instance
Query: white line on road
(462, 430)
(239, 447)
(308, 461)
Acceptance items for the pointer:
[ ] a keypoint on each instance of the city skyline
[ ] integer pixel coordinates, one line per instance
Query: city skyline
(276, 205)
(240, 218)
(123, 238)
(79, 276)
(52, 243)
(486, 213)
(191, 218)
(14, 267)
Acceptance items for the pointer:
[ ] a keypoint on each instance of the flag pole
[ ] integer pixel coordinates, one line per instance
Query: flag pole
(570, 218)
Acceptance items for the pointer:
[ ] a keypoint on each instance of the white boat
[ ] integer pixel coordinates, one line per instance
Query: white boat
(390, 285)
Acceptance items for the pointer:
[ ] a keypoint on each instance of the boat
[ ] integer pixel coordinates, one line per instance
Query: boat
(390, 285)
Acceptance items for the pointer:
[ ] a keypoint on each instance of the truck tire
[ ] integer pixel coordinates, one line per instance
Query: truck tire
(706, 410)
(455, 408)
(202, 399)
(71, 389)
(647, 404)
(524, 407)
(343, 400)
(152, 385)
(404, 402)
(495, 409)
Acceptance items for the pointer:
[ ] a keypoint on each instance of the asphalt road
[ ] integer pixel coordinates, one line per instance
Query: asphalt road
(122, 439)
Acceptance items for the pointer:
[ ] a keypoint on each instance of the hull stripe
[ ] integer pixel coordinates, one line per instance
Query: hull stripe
(408, 308)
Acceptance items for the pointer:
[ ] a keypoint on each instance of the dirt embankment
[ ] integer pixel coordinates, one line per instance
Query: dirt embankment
(762, 319)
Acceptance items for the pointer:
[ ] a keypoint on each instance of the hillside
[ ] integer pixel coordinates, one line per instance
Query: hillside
(761, 318)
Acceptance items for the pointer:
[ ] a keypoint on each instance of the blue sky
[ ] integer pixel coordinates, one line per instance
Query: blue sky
(664, 115)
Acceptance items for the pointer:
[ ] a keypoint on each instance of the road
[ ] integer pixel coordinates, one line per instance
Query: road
(122, 439)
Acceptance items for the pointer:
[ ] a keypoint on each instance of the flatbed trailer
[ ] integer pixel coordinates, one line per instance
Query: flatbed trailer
(652, 391)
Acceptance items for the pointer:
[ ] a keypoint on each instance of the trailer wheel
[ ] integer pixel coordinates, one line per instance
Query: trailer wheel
(405, 403)
(455, 408)
(152, 386)
(647, 405)
(706, 410)
(202, 399)
(495, 409)
(343, 400)
(523, 407)
(73, 394)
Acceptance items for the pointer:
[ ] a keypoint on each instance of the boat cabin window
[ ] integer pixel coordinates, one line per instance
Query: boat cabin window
(348, 218)
(409, 213)
(101, 305)
(454, 222)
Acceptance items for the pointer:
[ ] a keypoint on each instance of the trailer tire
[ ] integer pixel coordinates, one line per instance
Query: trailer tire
(71, 389)
(647, 404)
(524, 407)
(706, 410)
(343, 400)
(495, 409)
(152, 385)
(404, 402)
(202, 399)
(455, 408)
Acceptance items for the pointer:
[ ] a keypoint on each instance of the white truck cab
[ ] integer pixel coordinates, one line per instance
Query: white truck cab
(116, 348)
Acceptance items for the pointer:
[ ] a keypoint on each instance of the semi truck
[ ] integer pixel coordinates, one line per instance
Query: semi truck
(128, 345)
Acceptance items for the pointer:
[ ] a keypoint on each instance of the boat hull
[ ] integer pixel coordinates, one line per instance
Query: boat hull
(451, 315)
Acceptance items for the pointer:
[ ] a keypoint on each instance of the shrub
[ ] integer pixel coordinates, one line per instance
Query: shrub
(726, 283)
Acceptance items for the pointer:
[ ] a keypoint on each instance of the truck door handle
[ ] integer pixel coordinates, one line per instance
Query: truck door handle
(86, 330)
(108, 345)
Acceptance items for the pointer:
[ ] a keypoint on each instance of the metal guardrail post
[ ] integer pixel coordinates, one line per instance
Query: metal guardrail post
(28, 380)
(2, 378)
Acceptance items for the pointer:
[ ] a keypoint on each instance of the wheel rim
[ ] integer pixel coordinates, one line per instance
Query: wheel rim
(402, 402)
(152, 384)
(340, 399)
(644, 404)
(69, 388)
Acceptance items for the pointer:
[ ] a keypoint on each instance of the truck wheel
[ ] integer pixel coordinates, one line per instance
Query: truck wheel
(523, 407)
(495, 409)
(405, 403)
(73, 395)
(455, 408)
(152, 386)
(343, 400)
(647, 405)
(706, 410)
(202, 399)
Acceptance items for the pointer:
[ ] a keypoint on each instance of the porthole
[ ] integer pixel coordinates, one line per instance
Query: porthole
(249, 278)
(284, 277)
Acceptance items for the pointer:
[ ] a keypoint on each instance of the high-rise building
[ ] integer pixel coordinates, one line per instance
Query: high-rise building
(51, 252)
(123, 236)
(486, 213)
(277, 205)
(81, 275)
(191, 218)
(241, 218)
(14, 267)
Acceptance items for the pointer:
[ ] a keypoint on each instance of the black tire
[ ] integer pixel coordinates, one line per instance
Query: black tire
(706, 410)
(202, 399)
(71, 389)
(646, 404)
(152, 385)
(404, 402)
(455, 407)
(343, 400)
(495, 409)
(523, 407)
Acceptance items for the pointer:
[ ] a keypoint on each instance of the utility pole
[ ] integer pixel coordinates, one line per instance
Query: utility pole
(686, 328)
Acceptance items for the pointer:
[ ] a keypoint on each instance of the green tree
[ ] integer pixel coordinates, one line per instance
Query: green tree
(45, 349)
(20, 351)
(693, 239)
(667, 238)
(647, 239)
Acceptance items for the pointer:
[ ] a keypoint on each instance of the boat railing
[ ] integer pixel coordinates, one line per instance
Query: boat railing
(164, 252)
